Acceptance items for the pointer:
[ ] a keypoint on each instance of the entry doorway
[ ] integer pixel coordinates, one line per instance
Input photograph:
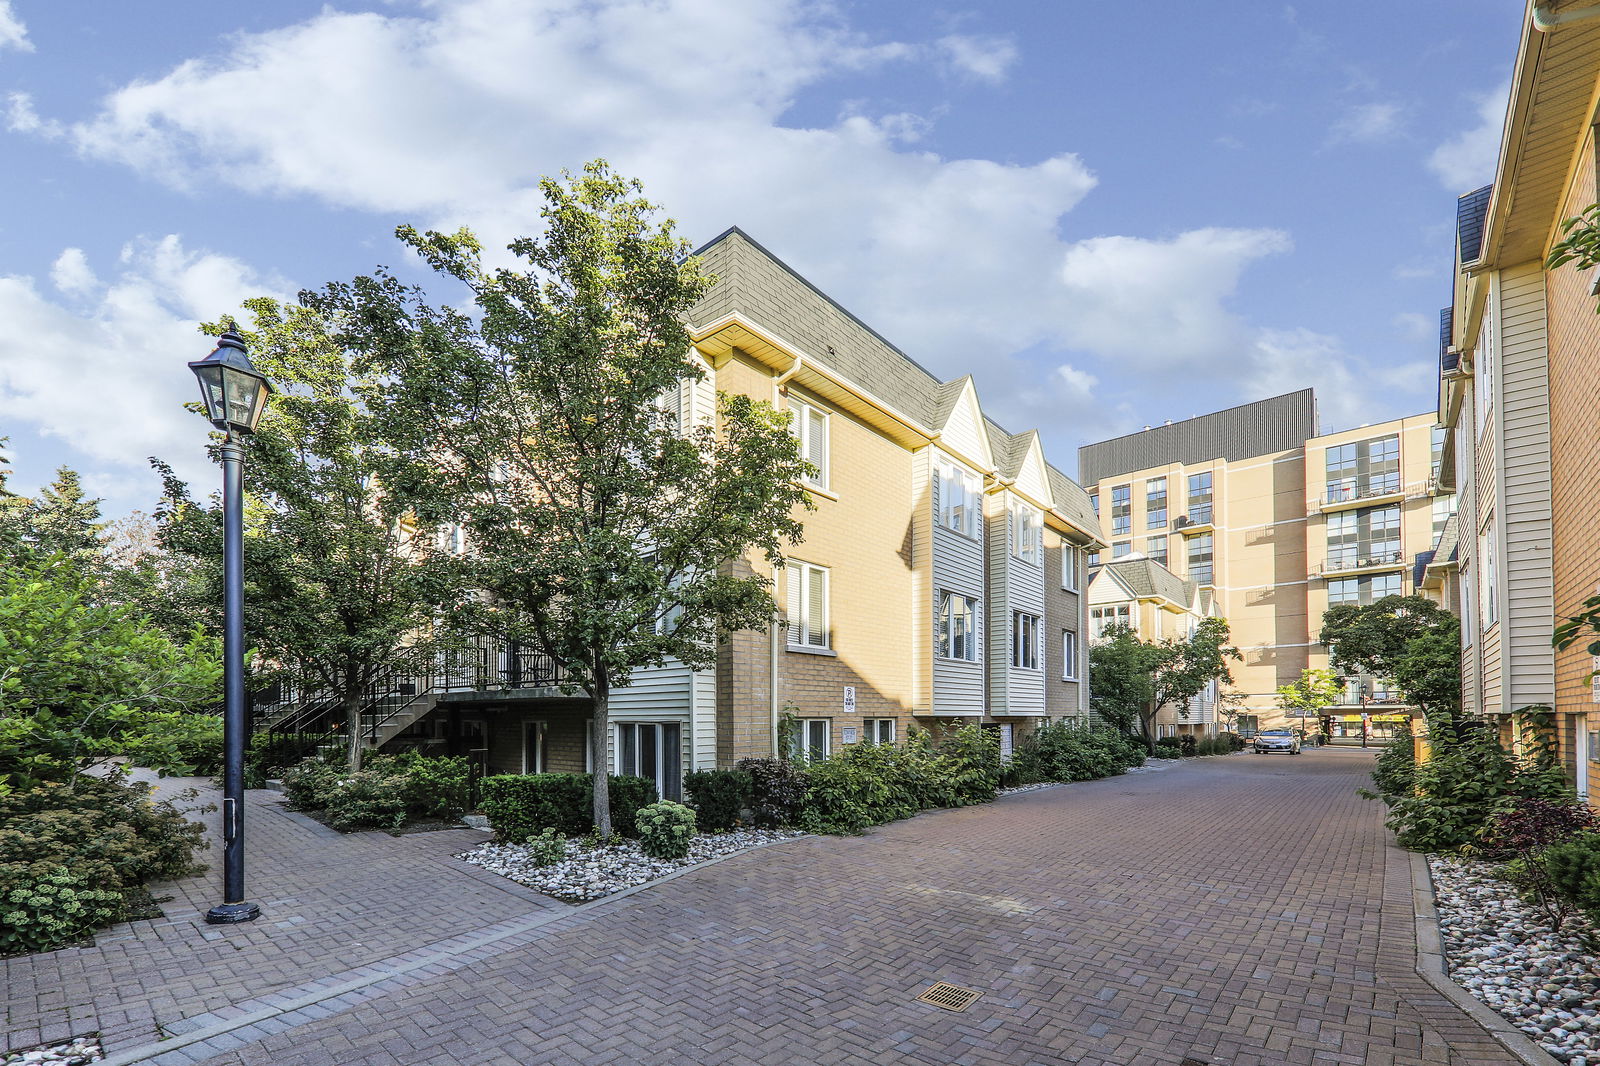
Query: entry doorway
(652, 750)
(533, 747)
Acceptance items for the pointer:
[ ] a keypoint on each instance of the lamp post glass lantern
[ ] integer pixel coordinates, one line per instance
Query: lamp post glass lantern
(234, 393)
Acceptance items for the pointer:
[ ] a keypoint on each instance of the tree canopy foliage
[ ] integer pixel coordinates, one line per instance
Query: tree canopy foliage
(1132, 680)
(601, 530)
(1409, 640)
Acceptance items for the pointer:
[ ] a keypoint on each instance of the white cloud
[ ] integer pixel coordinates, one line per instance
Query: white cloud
(109, 380)
(1075, 381)
(20, 115)
(1415, 326)
(13, 34)
(1467, 160)
(447, 118)
(985, 58)
(1366, 124)
(1161, 304)
(71, 274)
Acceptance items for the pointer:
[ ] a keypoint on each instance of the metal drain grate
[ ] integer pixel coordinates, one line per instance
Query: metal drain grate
(950, 997)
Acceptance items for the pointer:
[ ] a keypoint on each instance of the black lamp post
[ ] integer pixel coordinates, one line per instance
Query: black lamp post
(235, 393)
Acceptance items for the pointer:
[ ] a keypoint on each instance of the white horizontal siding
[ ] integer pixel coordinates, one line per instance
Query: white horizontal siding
(655, 694)
(1523, 409)
(703, 742)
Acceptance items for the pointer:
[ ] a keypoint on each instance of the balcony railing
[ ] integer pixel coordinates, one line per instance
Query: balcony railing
(1346, 491)
(1355, 561)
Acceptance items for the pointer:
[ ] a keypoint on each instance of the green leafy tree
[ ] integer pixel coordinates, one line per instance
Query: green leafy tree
(1121, 677)
(607, 535)
(61, 520)
(1306, 697)
(1405, 639)
(80, 678)
(1188, 666)
(344, 587)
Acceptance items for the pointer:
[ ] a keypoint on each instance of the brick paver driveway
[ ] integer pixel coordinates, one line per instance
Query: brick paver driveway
(1241, 910)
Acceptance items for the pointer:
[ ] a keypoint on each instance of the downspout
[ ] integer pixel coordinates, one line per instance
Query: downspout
(1546, 18)
(772, 684)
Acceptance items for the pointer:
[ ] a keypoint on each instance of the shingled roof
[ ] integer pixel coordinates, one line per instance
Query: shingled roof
(1471, 211)
(1148, 579)
(750, 278)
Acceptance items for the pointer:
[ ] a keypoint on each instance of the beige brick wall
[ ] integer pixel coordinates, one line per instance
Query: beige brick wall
(861, 531)
(1574, 339)
(564, 737)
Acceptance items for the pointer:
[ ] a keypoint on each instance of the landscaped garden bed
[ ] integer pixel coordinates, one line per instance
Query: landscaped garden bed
(1506, 954)
(77, 1052)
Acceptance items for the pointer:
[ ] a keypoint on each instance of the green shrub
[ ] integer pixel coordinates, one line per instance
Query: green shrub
(974, 760)
(1169, 748)
(1573, 869)
(546, 848)
(180, 744)
(777, 791)
(387, 792)
(1395, 773)
(665, 829)
(270, 755)
(71, 851)
(719, 796)
(520, 806)
(1061, 751)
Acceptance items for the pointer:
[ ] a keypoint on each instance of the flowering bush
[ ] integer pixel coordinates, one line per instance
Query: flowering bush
(665, 829)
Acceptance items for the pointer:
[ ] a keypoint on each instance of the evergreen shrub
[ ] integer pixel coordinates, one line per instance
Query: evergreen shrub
(777, 791)
(719, 796)
(520, 806)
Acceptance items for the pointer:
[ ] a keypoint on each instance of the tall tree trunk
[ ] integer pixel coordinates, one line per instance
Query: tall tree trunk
(599, 734)
(352, 718)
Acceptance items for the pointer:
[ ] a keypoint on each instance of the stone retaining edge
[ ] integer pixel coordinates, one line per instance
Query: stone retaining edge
(1431, 968)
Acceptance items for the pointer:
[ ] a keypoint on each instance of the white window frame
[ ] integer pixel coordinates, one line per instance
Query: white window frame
(1069, 568)
(1069, 655)
(808, 728)
(674, 791)
(959, 486)
(1027, 533)
(534, 729)
(872, 730)
(810, 423)
(1025, 639)
(943, 633)
(804, 630)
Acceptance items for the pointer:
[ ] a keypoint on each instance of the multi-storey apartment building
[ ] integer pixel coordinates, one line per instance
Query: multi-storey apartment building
(1520, 391)
(940, 579)
(1277, 522)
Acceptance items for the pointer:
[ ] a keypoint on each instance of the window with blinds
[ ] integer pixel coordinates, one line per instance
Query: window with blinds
(808, 605)
(810, 424)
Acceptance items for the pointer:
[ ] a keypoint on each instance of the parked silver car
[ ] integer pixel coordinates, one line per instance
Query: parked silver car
(1277, 740)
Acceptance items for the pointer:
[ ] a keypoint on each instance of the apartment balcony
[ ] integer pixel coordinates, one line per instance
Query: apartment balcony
(1342, 563)
(1194, 522)
(1348, 494)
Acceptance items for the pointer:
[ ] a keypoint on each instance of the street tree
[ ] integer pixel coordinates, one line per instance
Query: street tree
(605, 534)
(344, 587)
(1188, 666)
(1307, 696)
(1408, 640)
(1121, 677)
(1132, 680)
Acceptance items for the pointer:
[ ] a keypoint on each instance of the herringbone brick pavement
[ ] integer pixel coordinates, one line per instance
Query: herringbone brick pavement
(331, 902)
(1242, 910)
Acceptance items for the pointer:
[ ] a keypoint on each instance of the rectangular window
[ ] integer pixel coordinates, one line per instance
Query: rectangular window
(1366, 537)
(812, 739)
(1094, 502)
(956, 629)
(1200, 559)
(877, 730)
(1155, 503)
(1443, 508)
(1200, 498)
(1025, 641)
(1436, 450)
(1120, 548)
(1026, 533)
(1121, 509)
(1101, 618)
(1091, 559)
(1363, 468)
(1488, 596)
(960, 499)
(1069, 568)
(810, 424)
(1363, 590)
(1069, 655)
(1156, 549)
(651, 750)
(808, 605)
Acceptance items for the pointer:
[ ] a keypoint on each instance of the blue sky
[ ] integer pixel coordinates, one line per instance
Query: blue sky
(1110, 214)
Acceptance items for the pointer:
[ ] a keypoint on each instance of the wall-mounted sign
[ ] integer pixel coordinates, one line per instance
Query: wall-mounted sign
(849, 699)
(849, 734)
